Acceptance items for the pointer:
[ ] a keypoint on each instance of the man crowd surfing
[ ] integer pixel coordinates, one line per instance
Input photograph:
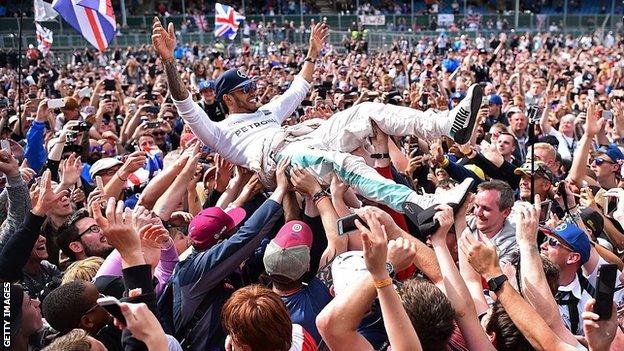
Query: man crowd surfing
(466, 196)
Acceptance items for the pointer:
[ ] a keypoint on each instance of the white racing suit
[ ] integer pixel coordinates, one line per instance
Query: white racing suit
(257, 140)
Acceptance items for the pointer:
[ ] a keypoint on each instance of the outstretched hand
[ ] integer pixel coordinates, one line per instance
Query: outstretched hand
(318, 37)
(164, 41)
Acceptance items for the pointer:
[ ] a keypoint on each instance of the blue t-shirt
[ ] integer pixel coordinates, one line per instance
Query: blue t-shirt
(306, 304)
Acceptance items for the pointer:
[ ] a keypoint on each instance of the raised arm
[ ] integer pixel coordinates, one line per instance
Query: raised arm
(593, 124)
(532, 278)
(483, 258)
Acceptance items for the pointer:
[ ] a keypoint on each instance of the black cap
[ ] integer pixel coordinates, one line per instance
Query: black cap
(593, 220)
(230, 80)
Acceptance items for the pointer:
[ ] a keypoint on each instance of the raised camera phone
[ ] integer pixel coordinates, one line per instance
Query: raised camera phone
(607, 115)
(112, 306)
(346, 224)
(153, 124)
(605, 287)
(56, 103)
(109, 84)
(545, 207)
(5, 145)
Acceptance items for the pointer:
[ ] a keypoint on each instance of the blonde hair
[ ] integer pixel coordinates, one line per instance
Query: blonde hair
(82, 270)
(75, 340)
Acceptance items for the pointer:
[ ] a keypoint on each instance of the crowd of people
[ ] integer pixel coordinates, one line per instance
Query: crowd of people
(159, 198)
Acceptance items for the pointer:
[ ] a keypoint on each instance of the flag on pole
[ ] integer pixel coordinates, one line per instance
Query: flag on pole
(44, 39)
(227, 21)
(94, 19)
(200, 22)
(44, 11)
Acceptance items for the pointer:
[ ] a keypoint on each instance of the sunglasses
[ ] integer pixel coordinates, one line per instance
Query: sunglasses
(160, 133)
(553, 242)
(94, 306)
(248, 88)
(599, 161)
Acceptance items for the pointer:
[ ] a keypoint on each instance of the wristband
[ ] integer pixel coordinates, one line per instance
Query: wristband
(319, 195)
(380, 156)
(309, 59)
(382, 283)
(120, 178)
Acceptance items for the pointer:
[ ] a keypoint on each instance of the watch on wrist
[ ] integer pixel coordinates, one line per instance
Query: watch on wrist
(380, 156)
(390, 269)
(495, 284)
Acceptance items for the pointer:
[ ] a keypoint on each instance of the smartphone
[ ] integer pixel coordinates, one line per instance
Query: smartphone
(607, 115)
(424, 99)
(5, 145)
(153, 109)
(85, 92)
(56, 103)
(111, 305)
(372, 94)
(591, 94)
(154, 124)
(605, 286)
(99, 183)
(544, 211)
(109, 84)
(322, 92)
(609, 205)
(346, 224)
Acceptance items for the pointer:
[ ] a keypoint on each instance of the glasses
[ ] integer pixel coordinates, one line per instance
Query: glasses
(553, 242)
(159, 133)
(248, 88)
(94, 306)
(599, 161)
(92, 229)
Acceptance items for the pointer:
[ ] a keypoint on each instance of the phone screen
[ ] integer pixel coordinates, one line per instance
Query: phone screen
(111, 305)
(544, 211)
(346, 224)
(605, 287)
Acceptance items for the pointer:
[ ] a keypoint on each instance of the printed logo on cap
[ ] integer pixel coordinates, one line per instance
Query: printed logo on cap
(561, 227)
(297, 227)
(241, 74)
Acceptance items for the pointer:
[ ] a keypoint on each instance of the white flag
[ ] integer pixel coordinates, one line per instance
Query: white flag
(44, 11)
(44, 39)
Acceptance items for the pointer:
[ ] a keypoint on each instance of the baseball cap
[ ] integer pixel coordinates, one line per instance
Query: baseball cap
(458, 95)
(587, 76)
(213, 224)
(482, 51)
(495, 100)
(206, 84)
(575, 238)
(593, 220)
(398, 62)
(102, 165)
(613, 151)
(230, 80)
(288, 254)
(347, 269)
(541, 169)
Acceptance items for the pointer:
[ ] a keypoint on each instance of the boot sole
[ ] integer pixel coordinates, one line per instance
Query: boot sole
(463, 136)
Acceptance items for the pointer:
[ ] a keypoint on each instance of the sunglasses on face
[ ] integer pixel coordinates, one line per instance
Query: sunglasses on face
(553, 242)
(94, 306)
(160, 133)
(248, 88)
(599, 161)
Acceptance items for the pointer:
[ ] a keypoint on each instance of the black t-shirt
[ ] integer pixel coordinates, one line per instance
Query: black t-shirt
(214, 111)
(482, 72)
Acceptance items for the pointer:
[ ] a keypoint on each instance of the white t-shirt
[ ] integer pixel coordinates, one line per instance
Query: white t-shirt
(239, 138)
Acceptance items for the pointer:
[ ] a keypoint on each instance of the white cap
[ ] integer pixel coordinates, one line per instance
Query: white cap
(103, 164)
(13, 119)
(347, 269)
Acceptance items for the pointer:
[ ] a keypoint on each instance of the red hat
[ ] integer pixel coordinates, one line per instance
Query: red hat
(213, 225)
(288, 254)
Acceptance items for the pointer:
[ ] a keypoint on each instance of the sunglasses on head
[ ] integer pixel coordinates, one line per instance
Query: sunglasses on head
(599, 161)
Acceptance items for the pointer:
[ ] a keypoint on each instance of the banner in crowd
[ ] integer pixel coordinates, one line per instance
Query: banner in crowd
(373, 20)
(200, 22)
(473, 18)
(445, 19)
(44, 39)
(227, 21)
(44, 11)
(93, 19)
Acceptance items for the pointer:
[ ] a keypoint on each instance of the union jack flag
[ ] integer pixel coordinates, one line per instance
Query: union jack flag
(44, 39)
(94, 19)
(200, 22)
(227, 21)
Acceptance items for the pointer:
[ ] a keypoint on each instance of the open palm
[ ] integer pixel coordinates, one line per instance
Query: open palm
(164, 41)
(319, 35)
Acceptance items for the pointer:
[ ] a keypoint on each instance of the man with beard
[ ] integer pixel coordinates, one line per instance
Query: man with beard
(80, 237)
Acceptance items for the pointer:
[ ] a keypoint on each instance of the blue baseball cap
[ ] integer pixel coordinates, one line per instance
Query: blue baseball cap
(575, 238)
(206, 84)
(230, 80)
(495, 100)
(458, 95)
(613, 151)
